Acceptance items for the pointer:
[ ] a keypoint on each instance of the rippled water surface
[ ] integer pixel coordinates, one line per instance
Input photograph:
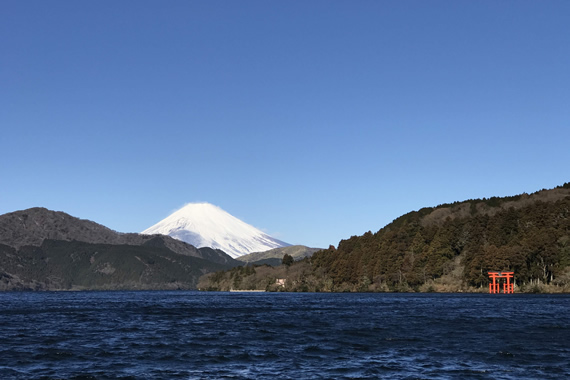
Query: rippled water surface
(191, 335)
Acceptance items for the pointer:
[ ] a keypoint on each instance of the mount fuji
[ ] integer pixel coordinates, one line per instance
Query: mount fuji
(206, 225)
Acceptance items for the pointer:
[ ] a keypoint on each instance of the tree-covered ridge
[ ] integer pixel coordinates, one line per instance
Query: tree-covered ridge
(33, 226)
(529, 234)
(63, 265)
(298, 252)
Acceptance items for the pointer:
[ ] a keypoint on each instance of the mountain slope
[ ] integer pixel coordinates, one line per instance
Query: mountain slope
(458, 243)
(75, 265)
(296, 251)
(448, 248)
(34, 225)
(206, 225)
(47, 250)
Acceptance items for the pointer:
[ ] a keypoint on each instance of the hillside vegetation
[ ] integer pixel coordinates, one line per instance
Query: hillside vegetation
(62, 265)
(48, 250)
(32, 226)
(450, 247)
(274, 256)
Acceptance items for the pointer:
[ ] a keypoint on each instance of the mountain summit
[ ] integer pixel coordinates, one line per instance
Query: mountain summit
(206, 225)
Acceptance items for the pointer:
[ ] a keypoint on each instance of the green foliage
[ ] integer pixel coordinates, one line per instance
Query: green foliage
(287, 260)
(447, 248)
(78, 265)
(530, 238)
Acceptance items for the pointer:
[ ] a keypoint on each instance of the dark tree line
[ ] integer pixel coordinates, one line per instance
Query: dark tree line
(523, 234)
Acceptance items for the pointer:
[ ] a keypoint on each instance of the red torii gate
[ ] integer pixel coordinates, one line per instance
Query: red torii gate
(508, 287)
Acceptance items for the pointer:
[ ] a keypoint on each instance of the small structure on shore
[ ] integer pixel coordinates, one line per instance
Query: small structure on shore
(508, 287)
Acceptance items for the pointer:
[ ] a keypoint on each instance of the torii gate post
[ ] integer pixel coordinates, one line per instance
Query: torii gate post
(508, 287)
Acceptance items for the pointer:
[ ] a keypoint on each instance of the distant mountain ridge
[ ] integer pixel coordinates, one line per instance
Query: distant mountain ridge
(34, 225)
(275, 255)
(206, 225)
(42, 249)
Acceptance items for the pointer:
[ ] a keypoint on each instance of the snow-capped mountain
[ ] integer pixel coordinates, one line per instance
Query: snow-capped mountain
(206, 225)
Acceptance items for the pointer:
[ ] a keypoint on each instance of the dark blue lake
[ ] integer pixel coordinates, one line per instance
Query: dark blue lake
(191, 335)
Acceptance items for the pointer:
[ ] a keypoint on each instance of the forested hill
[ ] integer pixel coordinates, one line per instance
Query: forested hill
(42, 249)
(456, 244)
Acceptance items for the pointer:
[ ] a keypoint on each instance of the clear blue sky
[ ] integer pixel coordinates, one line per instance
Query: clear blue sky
(312, 120)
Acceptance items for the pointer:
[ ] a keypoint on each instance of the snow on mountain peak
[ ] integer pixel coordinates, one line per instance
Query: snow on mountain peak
(206, 225)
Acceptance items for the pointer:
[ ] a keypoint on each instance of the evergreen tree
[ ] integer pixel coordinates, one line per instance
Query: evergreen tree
(287, 260)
